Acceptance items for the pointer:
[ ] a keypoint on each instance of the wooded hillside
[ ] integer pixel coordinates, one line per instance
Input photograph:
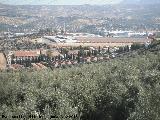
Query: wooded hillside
(125, 88)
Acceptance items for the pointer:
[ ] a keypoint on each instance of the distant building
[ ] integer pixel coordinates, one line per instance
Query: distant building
(25, 55)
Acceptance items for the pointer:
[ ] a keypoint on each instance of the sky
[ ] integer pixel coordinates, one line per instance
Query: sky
(59, 2)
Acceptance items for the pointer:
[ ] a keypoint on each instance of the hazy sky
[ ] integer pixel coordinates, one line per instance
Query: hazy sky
(61, 2)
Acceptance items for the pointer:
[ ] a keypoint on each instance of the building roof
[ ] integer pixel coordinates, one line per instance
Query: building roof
(41, 65)
(25, 54)
(36, 66)
(16, 66)
(111, 40)
(55, 53)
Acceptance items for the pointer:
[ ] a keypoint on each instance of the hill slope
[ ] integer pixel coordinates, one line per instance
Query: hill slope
(120, 89)
(29, 17)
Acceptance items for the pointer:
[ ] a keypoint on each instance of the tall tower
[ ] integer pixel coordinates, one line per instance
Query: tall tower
(9, 58)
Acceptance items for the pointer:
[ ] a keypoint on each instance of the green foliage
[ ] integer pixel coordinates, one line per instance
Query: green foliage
(158, 35)
(120, 89)
(136, 46)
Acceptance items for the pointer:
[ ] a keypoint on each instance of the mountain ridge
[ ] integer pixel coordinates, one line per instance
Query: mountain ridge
(141, 2)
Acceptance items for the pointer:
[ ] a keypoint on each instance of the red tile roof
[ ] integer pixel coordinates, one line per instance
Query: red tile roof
(35, 66)
(41, 65)
(25, 54)
(16, 66)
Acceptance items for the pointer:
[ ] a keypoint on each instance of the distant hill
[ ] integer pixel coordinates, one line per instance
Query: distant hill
(81, 18)
(141, 2)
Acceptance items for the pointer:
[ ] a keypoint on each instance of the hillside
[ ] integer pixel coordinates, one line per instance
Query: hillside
(140, 2)
(35, 17)
(125, 88)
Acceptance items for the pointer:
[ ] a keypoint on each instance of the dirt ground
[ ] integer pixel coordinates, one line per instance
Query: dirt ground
(91, 44)
(3, 61)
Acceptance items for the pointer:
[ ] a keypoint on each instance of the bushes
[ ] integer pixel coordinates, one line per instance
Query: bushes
(120, 89)
(136, 46)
